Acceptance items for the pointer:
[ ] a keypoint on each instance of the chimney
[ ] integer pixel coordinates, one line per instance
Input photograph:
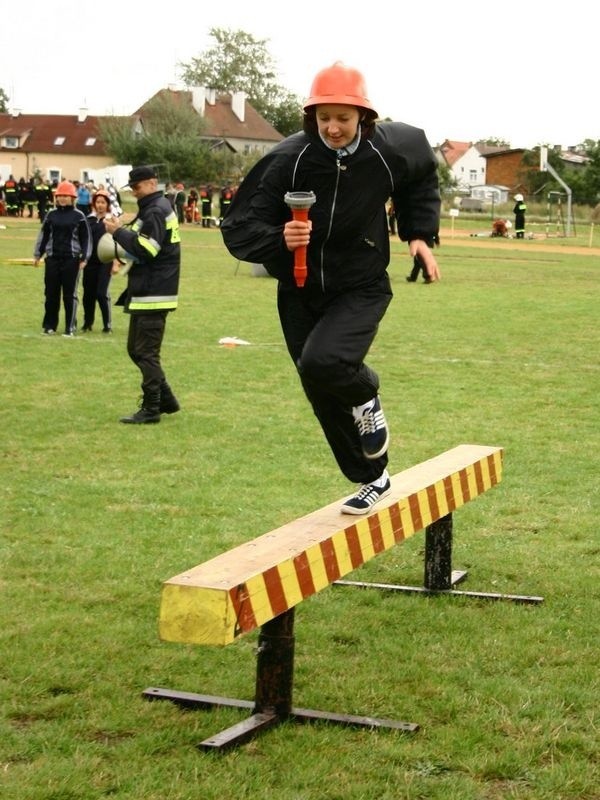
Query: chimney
(211, 96)
(238, 105)
(82, 116)
(15, 113)
(198, 99)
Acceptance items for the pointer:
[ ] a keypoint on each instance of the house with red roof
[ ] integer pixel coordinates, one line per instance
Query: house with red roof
(70, 147)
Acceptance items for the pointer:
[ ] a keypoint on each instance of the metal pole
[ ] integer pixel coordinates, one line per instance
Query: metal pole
(275, 666)
(438, 554)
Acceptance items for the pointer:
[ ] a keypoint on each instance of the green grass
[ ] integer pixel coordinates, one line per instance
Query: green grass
(96, 515)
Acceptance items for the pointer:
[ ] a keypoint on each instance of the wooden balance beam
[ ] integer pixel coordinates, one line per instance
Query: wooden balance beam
(259, 583)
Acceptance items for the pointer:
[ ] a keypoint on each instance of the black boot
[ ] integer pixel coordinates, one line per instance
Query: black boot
(147, 413)
(169, 404)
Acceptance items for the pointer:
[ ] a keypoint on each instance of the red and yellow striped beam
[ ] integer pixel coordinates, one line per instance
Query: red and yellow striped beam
(240, 590)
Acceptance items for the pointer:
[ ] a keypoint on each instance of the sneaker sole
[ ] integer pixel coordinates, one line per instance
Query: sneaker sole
(360, 511)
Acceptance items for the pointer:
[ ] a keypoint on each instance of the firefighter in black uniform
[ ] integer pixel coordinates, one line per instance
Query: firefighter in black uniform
(153, 241)
(352, 166)
(29, 198)
(519, 212)
(225, 199)
(11, 197)
(206, 205)
(43, 195)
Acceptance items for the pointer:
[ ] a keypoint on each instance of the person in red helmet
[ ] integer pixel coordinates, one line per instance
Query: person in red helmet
(66, 242)
(352, 165)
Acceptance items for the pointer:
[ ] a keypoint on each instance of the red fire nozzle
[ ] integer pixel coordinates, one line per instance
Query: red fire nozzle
(300, 202)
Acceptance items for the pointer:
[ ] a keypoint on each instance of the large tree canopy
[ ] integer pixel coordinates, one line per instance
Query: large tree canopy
(238, 62)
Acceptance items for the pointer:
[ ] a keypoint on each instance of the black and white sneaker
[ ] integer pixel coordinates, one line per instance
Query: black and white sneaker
(48, 331)
(366, 497)
(372, 429)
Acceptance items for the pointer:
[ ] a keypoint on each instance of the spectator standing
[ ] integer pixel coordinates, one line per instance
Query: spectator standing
(84, 199)
(352, 166)
(11, 196)
(65, 241)
(225, 199)
(97, 275)
(192, 205)
(29, 197)
(180, 202)
(21, 196)
(43, 195)
(519, 212)
(206, 205)
(153, 240)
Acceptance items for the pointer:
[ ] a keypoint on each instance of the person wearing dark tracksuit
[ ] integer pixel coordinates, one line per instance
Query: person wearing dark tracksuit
(345, 167)
(97, 275)
(65, 240)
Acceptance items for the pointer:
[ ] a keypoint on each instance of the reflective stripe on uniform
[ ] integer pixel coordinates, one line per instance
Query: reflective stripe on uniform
(153, 303)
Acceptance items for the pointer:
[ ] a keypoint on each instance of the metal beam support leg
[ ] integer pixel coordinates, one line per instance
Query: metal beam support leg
(273, 700)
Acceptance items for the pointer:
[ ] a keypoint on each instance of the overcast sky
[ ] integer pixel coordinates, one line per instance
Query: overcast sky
(515, 70)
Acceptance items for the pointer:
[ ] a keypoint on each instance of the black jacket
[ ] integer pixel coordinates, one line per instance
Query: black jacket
(349, 244)
(153, 240)
(64, 234)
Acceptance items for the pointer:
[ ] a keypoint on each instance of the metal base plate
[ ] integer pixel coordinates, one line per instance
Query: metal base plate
(259, 721)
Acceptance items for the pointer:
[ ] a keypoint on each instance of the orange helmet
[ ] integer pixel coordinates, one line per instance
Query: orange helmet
(101, 193)
(66, 188)
(339, 84)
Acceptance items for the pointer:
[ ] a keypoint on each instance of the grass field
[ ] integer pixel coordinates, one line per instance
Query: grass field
(96, 515)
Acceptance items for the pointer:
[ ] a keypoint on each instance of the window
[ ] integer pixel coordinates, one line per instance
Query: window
(60, 140)
(11, 142)
(473, 175)
(90, 141)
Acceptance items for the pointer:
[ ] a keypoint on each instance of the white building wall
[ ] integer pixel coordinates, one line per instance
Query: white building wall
(470, 169)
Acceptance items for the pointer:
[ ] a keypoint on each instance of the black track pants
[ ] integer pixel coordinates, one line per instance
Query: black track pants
(61, 275)
(328, 340)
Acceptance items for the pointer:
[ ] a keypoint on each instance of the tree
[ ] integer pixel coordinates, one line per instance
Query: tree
(169, 134)
(446, 178)
(240, 63)
(585, 183)
(3, 102)
(493, 141)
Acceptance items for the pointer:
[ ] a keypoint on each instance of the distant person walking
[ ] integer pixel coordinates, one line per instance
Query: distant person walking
(519, 212)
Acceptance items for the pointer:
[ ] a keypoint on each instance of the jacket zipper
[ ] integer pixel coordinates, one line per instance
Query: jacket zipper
(339, 167)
